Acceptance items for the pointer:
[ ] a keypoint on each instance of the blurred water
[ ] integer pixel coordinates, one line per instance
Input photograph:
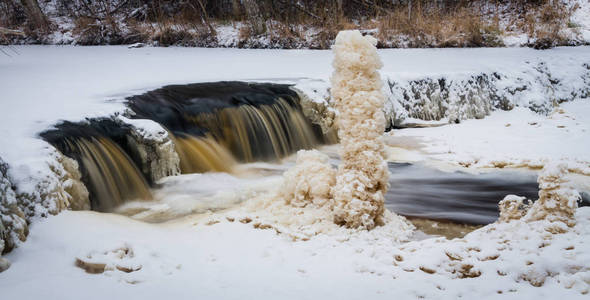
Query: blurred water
(415, 190)
(420, 191)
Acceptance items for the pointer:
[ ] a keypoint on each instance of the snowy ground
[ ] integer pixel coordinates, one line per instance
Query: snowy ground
(43, 84)
(516, 138)
(210, 256)
(234, 261)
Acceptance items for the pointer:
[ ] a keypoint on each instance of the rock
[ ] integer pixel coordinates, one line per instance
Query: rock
(4, 264)
(13, 225)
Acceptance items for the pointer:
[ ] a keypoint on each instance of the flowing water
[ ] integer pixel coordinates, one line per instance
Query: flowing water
(113, 177)
(220, 129)
(202, 154)
(419, 191)
(213, 127)
(109, 173)
(416, 190)
(253, 121)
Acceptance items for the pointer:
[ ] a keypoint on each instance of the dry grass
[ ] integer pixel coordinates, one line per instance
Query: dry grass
(546, 25)
(431, 28)
(456, 23)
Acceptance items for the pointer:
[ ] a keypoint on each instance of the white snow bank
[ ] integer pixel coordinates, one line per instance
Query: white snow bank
(517, 138)
(231, 260)
(44, 84)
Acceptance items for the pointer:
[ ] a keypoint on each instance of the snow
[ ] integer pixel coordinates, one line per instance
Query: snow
(231, 260)
(581, 19)
(92, 81)
(516, 138)
(210, 256)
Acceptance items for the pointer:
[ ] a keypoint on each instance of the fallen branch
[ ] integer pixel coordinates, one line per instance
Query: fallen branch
(11, 31)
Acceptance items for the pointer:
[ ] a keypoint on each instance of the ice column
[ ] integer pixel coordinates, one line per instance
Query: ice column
(361, 181)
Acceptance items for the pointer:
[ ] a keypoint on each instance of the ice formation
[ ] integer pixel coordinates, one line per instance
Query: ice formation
(536, 243)
(512, 207)
(310, 181)
(302, 207)
(13, 226)
(55, 185)
(75, 191)
(313, 98)
(56, 189)
(557, 202)
(454, 97)
(354, 195)
(361, 181)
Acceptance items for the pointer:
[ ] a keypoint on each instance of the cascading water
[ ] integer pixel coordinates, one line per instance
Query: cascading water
(108, 171)
(198, 155)
(253, 121)
(112, 174)
(212, 126)
(264, 132)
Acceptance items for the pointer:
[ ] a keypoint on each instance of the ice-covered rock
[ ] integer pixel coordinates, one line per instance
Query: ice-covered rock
(43, 188)
(48, 187)
(314, 97)
(537, 85)
(13, 226)
(154, 148)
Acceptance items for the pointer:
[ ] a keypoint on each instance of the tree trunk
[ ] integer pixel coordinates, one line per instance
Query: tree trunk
(37, 19)
(236, 8)
(254, 16)
(205, 18)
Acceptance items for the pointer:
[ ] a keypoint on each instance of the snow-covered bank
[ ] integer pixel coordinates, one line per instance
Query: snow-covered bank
(455, 88)
(516, 138)
(232, 260)
(43, 85)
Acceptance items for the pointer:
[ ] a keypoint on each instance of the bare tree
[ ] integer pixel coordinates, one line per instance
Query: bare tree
(36, 17)
(254, 16)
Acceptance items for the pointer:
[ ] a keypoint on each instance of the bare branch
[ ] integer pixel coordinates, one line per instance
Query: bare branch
(11, 31)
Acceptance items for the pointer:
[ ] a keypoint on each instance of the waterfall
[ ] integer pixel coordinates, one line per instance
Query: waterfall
(204, 127)
(198, 155)
(265, 132)
(254, 121)
(111, 175)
